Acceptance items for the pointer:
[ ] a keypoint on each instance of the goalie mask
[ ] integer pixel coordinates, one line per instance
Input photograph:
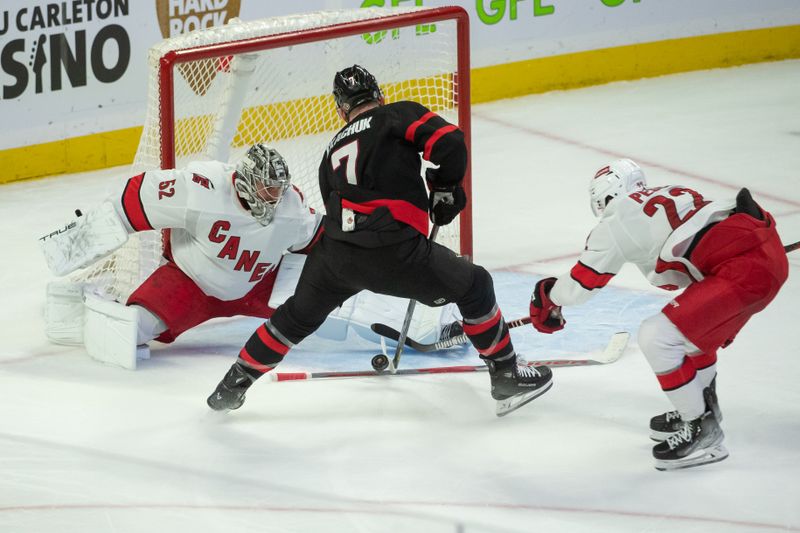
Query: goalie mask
(623, 176)
(261, 178)
(354, 86)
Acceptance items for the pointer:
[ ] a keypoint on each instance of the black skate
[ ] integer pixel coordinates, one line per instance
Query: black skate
(229, 394)
(664, 425)
(698, 442)
(451, 331)
(514, 383)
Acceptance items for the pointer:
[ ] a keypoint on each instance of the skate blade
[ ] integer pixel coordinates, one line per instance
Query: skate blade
(509, 405)
(706, 456)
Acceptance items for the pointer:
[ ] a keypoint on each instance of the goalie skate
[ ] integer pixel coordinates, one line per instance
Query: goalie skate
(698, 442)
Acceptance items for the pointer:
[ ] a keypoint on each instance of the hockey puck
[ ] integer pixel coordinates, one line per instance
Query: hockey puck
(380, 362)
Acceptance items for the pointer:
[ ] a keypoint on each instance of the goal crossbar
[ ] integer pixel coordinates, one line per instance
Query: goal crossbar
(171, 59)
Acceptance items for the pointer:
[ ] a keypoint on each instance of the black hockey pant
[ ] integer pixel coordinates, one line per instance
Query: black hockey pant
(416, 269)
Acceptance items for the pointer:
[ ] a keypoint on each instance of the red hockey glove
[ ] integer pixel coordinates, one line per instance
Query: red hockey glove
(545, 315)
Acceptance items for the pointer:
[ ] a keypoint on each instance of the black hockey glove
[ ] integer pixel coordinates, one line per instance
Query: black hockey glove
(445, 203)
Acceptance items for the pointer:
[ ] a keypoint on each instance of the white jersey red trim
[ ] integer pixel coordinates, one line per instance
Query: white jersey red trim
(652, 229)
(213, 238)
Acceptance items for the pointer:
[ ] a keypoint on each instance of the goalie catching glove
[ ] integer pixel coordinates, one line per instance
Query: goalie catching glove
(83, 240)
(445, 201)
(545, 315)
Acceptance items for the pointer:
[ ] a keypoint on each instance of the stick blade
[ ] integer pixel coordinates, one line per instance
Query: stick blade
(615, 347)
(392, 334)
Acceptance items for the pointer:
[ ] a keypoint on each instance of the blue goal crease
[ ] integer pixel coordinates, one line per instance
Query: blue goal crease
(589, 328)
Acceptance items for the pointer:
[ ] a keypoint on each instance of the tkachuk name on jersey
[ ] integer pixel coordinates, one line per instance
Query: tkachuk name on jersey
(356, 127)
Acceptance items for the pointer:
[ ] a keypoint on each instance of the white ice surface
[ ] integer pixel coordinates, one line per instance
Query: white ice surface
(90, 448)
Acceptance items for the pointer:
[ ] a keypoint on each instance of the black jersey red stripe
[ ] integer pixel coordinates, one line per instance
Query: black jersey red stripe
(401, 211)
(411, 131)
(588, 277)
(133, 206)
(438, 134)
(383, 172)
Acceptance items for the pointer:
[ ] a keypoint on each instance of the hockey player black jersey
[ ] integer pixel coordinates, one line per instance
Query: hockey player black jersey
(370, 173)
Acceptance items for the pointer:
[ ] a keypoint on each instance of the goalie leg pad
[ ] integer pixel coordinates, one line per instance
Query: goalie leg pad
(149, 326)
(63, 313)
(110, 333)
(367, 307)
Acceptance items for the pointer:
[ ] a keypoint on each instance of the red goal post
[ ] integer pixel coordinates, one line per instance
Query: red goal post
(214, 92)
(174, 64)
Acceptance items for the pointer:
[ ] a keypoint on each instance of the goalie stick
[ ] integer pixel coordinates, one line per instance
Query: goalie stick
(390, 333)
(613, 351)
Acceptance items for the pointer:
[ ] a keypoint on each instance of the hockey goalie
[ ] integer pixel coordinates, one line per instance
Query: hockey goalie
(236, 243)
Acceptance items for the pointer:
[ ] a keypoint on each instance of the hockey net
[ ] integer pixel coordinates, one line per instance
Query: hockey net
(213, 93)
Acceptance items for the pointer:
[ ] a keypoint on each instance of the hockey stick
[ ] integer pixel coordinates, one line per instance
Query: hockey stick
(612, 352)
(406, 324)
(792, 247)
(390, 333)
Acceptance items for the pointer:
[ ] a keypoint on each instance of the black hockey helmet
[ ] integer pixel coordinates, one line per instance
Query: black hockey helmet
(354, 86)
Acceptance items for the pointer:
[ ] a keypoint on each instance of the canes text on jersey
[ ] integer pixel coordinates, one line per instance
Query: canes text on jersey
(246, 260)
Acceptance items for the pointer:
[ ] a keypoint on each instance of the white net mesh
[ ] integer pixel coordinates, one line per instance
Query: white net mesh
(281, 96)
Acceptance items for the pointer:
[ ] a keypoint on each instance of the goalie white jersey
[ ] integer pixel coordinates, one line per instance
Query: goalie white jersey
(213, 237)
(652, 229)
